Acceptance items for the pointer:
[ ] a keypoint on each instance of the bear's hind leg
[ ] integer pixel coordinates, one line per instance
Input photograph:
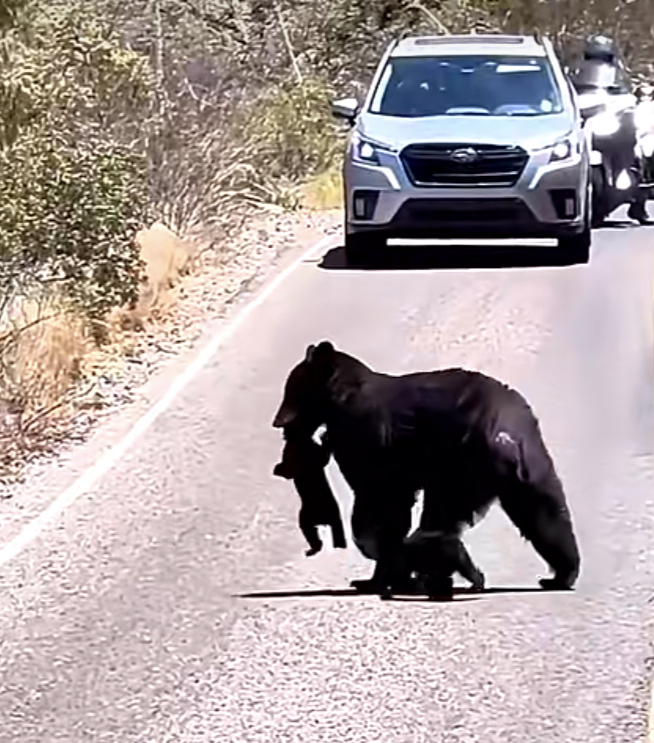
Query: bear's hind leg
(465, 566)
(543, 518)
(379, 524)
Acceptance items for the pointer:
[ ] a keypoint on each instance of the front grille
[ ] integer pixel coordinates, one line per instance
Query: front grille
(494, 165)
(471, 212)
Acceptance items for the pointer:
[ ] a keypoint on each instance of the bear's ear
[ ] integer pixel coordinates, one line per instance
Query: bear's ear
(308, 356)
(323, 355)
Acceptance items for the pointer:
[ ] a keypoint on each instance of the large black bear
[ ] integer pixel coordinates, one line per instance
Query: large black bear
(464, 438)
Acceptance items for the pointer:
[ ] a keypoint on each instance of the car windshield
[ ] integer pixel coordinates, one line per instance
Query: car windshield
(466, 85)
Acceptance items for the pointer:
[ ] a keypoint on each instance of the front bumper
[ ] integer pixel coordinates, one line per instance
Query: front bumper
(547, 200)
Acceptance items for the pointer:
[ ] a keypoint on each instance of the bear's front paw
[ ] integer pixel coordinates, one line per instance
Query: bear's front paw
(479, 583)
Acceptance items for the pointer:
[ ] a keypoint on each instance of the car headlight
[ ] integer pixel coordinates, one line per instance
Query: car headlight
(561, 150)
(604, 124)
(365, 151)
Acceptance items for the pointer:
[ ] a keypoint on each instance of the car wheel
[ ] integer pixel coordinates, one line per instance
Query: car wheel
(578, 246)
(599, 206)
(360, 246)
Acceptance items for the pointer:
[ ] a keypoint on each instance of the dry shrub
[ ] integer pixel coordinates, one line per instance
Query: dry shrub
(49, 349)
(166, 258)
(44, 343)
(325, 191)
(43, 354)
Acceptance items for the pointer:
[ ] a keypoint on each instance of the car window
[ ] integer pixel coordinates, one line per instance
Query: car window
(466, 85)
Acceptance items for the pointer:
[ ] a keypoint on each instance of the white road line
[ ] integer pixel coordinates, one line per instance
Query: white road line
(92, 475)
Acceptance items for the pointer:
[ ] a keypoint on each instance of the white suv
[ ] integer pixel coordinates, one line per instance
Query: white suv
(475, 136)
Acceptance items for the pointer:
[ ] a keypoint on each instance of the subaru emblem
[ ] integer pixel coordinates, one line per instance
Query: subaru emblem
(466, 155)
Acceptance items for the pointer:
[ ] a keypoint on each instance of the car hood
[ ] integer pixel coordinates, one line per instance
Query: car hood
(527, 131)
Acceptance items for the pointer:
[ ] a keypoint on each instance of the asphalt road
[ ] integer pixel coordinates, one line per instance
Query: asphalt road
(173, 602)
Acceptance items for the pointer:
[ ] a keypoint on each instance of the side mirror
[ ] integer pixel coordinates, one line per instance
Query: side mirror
(346, 108)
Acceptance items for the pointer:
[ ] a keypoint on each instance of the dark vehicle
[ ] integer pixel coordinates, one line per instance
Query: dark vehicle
(608, 106)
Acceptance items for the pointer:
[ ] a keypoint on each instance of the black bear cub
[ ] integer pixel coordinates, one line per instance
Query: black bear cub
(304, 462)
(435, 556)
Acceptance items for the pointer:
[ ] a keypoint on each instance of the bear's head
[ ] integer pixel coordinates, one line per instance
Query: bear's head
(306, 388)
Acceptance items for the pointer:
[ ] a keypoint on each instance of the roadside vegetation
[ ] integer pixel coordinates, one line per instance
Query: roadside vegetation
(192, 116)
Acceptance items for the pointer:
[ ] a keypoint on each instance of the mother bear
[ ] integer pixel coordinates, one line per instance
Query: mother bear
(462, 437)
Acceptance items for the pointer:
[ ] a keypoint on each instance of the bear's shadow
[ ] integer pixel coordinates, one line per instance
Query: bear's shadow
(460, 594)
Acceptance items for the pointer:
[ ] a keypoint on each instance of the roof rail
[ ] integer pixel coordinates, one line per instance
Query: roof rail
(395, 42)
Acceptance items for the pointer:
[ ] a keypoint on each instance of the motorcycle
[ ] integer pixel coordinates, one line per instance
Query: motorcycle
(614, 148)
(608, 109)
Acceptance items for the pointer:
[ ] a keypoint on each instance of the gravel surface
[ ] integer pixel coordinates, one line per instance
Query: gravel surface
(173, 601)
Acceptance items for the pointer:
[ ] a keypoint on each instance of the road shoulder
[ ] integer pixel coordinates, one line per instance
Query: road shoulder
(45, 479)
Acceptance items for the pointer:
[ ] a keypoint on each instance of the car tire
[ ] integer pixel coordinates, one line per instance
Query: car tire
(578, 246)
(599, 207)
(361, 246)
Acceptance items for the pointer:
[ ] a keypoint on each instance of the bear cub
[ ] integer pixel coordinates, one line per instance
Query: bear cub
(435, 557)
(304, 461)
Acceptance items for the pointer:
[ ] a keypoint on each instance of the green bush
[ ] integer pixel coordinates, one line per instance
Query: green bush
(68, 215)
(291, 133)
(73, 186)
